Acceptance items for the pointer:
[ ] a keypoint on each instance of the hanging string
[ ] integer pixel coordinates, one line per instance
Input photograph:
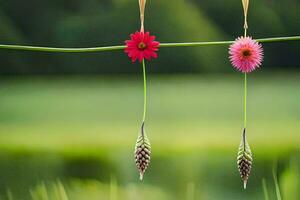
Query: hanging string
(142, 4)
(245, 7)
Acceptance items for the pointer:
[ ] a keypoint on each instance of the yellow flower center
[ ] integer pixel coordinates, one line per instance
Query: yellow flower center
(142, 46)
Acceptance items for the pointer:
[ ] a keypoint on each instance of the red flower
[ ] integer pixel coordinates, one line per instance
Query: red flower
(141, 46)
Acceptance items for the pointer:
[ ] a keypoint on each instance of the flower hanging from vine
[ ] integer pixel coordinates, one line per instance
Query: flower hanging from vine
(142, 46)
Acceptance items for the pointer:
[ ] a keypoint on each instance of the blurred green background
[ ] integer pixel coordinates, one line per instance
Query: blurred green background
(68, 122)
(77, 23)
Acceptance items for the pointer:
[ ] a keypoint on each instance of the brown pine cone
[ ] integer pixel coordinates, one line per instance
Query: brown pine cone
(142, 152)
(244, 159)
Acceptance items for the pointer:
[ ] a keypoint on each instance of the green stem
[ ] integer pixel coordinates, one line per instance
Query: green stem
(277, 188)
(245, 100)
(121, 47)
(194, 44)
(245, 83)
(145, 91)
(278, 39)
(61, 50)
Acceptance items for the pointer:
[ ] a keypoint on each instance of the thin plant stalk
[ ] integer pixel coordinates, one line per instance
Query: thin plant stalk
(143, 147)
(265, 189)
(9, 194)
(245, 100)
(145, 91)
(245, 76)
(122, 47)
(277, 188)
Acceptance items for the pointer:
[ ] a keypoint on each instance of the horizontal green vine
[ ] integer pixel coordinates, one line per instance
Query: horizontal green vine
(120, 47)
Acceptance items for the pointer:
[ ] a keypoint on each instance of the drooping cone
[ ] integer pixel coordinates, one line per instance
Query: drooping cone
(142, 152)
(244, 159)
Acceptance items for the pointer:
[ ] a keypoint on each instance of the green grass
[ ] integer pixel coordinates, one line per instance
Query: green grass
(96, 110)
(75, 125)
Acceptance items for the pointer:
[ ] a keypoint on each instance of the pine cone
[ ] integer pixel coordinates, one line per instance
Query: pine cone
(142, 152)
(244, 159)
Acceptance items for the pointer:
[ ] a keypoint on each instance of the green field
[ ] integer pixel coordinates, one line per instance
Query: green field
(82, 130)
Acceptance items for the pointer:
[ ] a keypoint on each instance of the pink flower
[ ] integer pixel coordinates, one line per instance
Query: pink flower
(141, 46)
(246, 54)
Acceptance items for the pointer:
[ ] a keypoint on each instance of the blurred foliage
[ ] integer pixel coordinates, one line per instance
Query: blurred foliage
(290, 180)
(92, 189)
(75, 23)
(82, 130)
(56, 192)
